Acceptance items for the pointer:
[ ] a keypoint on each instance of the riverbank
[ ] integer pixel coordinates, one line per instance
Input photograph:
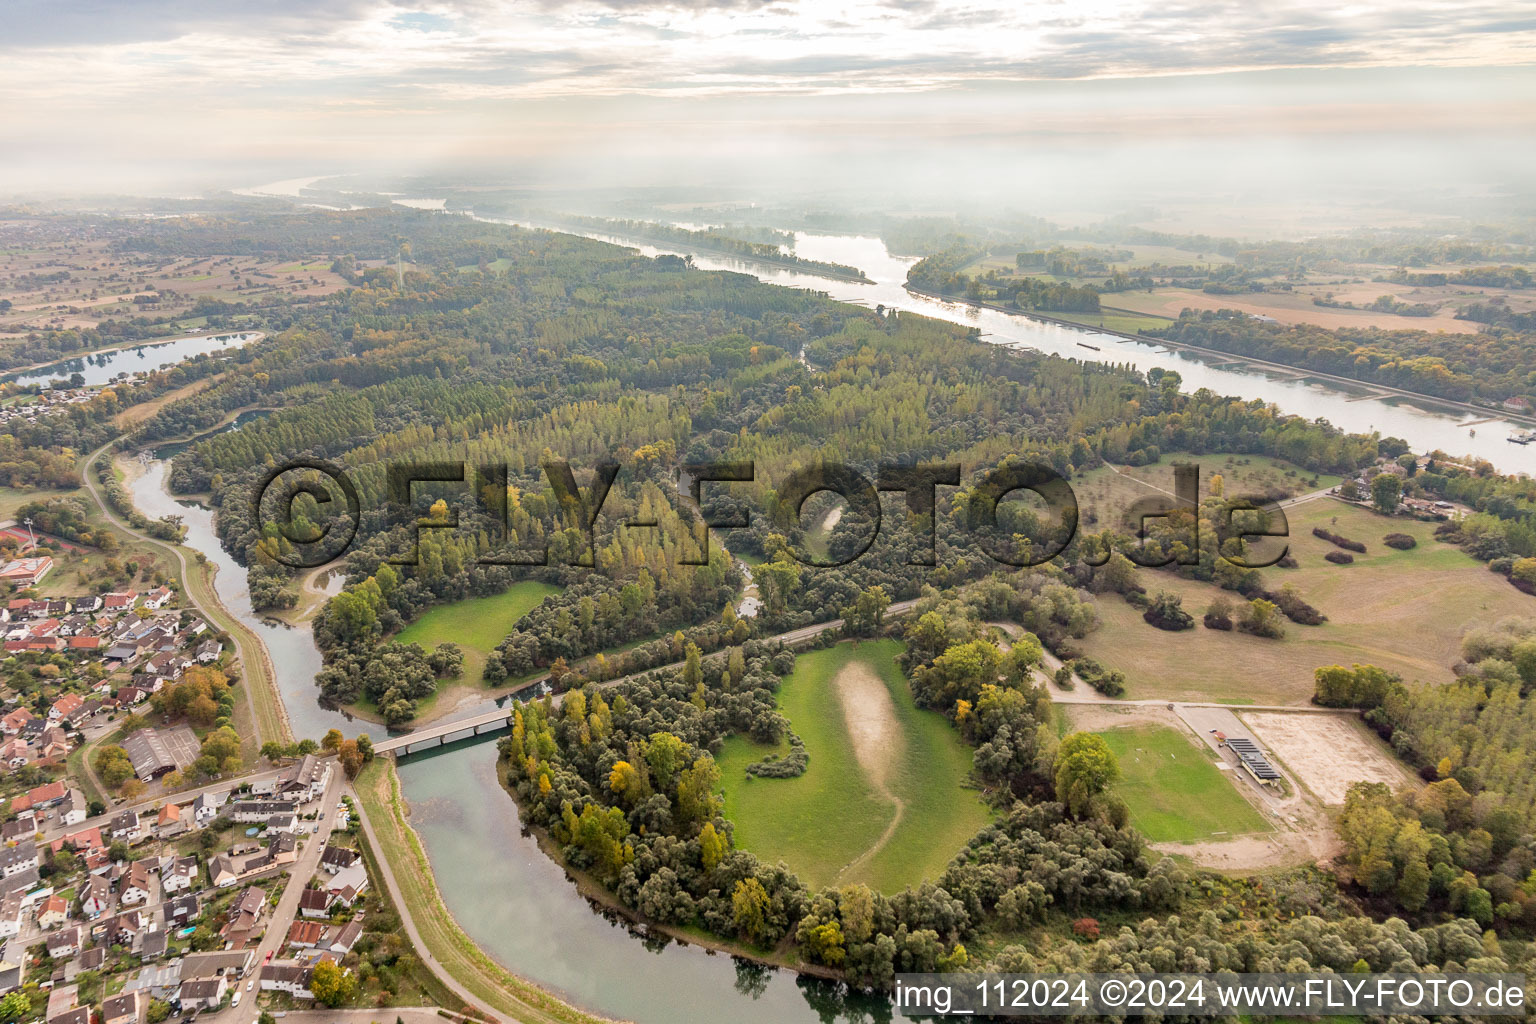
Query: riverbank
(1379, 390)
(594, 892)
(427, 919)
(811, 268)
(269, 718)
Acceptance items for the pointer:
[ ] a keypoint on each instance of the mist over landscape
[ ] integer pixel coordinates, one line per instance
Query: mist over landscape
(573, 512)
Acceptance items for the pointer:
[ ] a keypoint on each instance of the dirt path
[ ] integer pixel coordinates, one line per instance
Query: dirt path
(871, 722)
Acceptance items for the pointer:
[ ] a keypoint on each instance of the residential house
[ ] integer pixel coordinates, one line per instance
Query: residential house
(353, 880)
(64, 705)
(206, 808)
(95, 897)
(287, 976)
(181, 910)
(64, 943)
(18, 858)
(152, 945)
(46, 795)
(170, 821)
(119, 601)
(126, 1008)
(179, 875)
(11, 973)
(126, 827)
(305, 934)
(201, 994)
(316, 903)
(157, 598)
(335, 858)
(159, 981)
(340, 941)
(11, 724)
(15, 753)
(208, 651)
(248, 812)
(52, 912)
(12, 915)
(76, 1015)
(223, 872)
(24, 825)
(137, 888)
(73, 809)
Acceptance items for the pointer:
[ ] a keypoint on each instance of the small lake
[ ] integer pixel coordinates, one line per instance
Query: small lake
(100, 368)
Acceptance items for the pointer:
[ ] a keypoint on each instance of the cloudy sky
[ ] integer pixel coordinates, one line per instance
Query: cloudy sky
(118, 91)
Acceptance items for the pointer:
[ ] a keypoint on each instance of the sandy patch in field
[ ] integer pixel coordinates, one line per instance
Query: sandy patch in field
(871, 720)
(1327, 754)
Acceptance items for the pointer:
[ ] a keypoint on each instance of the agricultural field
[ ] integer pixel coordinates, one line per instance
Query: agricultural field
(1405, 611)
(1297, 307)
(73, 284)
(883, 800)
(476, 624)
(1174, 790)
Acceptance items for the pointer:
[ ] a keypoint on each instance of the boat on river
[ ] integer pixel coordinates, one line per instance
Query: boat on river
(1525, 438)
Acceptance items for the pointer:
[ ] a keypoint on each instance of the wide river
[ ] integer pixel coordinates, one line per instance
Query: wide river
(513, 900)
(1424, 423)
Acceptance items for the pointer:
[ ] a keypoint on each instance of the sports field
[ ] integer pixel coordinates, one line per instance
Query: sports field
(882, 801)
(1174, 791)
(476, 624)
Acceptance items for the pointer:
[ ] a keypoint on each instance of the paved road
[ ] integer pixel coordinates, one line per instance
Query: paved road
(300, 872)
(55, 830)
(382, 1015)
(257, 671)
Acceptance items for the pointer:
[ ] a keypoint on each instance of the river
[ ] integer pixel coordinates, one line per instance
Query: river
(516, 903)
(1424, 423)
(536, 923)
(102, 367)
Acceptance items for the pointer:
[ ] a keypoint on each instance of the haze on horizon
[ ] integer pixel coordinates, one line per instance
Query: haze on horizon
(1062, 107)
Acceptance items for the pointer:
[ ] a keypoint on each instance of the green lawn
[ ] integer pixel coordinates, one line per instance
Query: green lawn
(821, 821)
(476, 624)
(1174, 790)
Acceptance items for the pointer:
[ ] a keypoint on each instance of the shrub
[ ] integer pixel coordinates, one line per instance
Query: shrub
(1400, 541)
(1343, 542)
(1339, 557)
(1288, 563)
(1295, 608)
(1166, 611)
(1086, 928)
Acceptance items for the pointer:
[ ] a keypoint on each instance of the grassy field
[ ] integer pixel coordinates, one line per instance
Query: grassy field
(1403, 610)
(825, 823)
(1174, 791)
(1105, 494)
(476, 624)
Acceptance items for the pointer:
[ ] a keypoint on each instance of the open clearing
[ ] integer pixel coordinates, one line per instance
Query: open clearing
(1433, 593)
(1105, 494)
(1326, 753)
(476, 624)
(1174, 791)
(882, 800)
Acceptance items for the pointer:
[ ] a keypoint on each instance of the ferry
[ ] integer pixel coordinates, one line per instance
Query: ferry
(1525, 438)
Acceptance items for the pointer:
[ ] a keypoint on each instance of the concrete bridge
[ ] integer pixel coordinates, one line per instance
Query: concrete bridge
(492, 723)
